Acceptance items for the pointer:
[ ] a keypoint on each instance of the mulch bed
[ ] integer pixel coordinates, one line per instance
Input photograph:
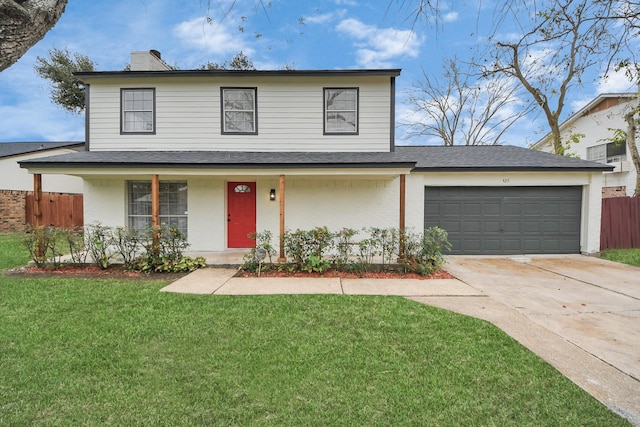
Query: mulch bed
(118, 272)
(90, 272)
(441, 274)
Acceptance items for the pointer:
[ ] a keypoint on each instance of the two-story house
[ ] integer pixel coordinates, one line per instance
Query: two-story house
(220, 154)
(594, 126)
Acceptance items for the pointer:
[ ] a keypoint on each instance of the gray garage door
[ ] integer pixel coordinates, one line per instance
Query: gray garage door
(506, 220)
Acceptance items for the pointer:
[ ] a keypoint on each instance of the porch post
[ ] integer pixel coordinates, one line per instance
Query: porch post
(155, 201)
(37, 212)
(155, 212)
(37, 199)
(403, 199)
(281, 257)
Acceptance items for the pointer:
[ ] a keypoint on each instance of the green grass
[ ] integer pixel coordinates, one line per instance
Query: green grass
(109, 352)
(626, 256)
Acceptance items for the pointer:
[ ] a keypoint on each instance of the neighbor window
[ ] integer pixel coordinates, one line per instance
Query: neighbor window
(239, 111)
(607, 153)
(341, 110)
(138, 110)
(173, 204)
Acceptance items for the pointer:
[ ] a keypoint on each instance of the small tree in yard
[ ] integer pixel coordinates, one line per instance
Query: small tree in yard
(68, 91)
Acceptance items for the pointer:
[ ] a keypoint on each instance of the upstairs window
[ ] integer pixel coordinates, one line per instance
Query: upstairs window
(138, 111)
(341, 111)
(607, 153)
(239, 111)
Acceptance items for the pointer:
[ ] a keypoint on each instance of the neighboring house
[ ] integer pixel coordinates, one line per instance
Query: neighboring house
(16, 183)
(593, 125)
(220, 154)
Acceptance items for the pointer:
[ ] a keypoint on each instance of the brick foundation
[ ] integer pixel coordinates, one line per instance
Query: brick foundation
(608, 192)
(12, 210)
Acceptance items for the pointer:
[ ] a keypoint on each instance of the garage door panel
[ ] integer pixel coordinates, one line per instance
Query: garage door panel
(511, 227)
(507, 220)
(474, 208)
(471, 226)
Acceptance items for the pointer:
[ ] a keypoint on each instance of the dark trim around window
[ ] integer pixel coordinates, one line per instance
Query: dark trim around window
(324, 112)
(223, 129)
(154, 124)
(392, 120)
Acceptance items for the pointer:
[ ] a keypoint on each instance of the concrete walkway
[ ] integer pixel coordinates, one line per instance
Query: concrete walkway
(220, 281)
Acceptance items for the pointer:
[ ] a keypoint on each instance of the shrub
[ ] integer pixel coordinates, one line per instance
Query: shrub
(76, 244)
(263, 241)
(344, 247)
(423, 252)
(308, 250)
(127, 243)
(164, 247)
(40, 243)
(98, 241)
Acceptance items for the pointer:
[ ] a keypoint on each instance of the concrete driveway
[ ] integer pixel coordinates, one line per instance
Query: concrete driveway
(593, 305)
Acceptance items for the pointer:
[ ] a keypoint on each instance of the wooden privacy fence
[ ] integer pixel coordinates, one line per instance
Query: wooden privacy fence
(58, 210)
(620, 226)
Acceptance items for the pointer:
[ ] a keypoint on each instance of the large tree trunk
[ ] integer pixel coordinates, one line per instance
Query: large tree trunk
(23, 23)
(633, 148)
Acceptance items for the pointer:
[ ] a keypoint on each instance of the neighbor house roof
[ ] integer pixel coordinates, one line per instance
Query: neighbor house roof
(592, 106)
(419, 158)
(8, 149)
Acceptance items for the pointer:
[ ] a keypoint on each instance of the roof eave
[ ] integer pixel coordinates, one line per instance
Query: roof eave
(391, 72)
(513, 169)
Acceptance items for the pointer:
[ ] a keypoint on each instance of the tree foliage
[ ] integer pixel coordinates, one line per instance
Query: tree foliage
(58, 68)
(563, 39)
(462, 110)
(239, 62)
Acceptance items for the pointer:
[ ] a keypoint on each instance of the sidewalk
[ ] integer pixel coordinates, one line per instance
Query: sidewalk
(220, 281)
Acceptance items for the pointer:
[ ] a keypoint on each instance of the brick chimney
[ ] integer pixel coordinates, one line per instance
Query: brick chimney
(148, 61)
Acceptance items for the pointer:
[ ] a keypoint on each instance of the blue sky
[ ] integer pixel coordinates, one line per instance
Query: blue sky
(317, 34)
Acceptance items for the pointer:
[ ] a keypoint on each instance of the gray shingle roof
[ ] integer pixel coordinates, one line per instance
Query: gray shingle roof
(8, 149)
(492, 157)
(419, 158)
(221, 159)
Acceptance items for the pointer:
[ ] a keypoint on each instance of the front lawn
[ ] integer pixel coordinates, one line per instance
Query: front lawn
(109, 352)
(626, 256)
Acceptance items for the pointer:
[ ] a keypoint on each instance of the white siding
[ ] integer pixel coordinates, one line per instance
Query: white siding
(290, 115)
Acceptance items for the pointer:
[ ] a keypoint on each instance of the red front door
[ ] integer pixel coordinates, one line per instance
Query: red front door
(241, 214)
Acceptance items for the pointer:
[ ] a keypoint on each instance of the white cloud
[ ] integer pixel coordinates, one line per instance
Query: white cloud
(347, 2)
(325, 17)
(450, 17)
(217, 37)
(377, 47)
(615, 82)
